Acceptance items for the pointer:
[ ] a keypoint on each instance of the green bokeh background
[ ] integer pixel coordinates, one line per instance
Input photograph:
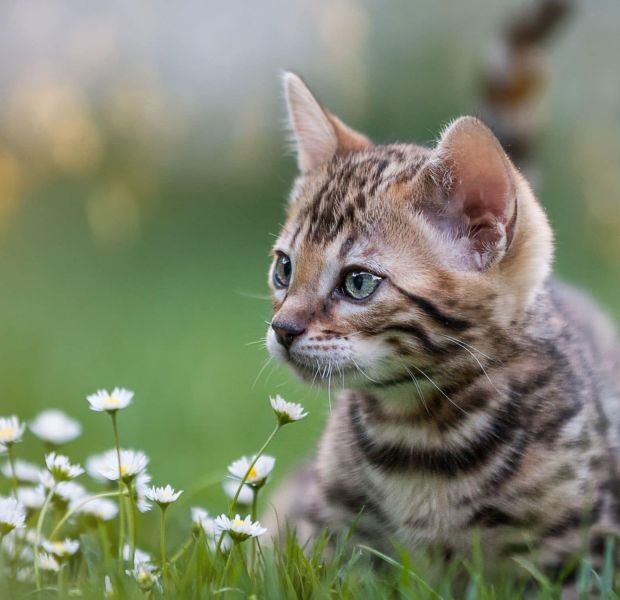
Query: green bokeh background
(168, 300)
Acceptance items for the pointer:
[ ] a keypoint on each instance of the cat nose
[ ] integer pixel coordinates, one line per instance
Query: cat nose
(287, 331)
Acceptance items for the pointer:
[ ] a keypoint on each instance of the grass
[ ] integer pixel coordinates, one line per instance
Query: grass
(212, 562)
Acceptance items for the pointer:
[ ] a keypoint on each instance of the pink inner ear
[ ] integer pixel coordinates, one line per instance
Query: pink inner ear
(478, 192)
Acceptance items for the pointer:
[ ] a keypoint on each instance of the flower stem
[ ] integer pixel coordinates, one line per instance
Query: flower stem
(162, 539)
(134, 524)
(245, 477)
(11, 452)
(121, 508)
(70, 512)
(226, 567)
(254, 540)
(37, 539)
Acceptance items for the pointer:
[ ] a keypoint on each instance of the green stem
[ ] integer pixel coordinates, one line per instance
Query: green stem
(134, 524)
(245, 477)
(162, 539)
(37, 539)
(11, 452)
(61, 581)
(226, 567)
(254, 540)
(76, 508)
(182, 550)
(121, 508)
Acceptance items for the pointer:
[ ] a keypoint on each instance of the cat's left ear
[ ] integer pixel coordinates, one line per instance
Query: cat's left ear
(474, 190)
(318, 135)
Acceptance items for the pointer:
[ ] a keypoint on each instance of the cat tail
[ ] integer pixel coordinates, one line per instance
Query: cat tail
(516, 76)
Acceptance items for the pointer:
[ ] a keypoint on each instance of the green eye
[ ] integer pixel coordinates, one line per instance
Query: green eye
(360, 284)
(282, 271)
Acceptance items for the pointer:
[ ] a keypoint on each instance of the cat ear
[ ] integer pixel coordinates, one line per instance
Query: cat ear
(318, 135)
(475, 191)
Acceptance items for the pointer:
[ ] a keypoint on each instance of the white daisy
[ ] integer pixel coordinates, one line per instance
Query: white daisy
(18, 544)
(133, 462)
(60, 467)
(257, 474)
(102, 400)
(11, 430)
(287, 412)
(163, 495)
(25, 472)
(145, 578)
(12, 515)
(246, 495)
(25, 575)
(102, 509)
(46, 562)
(201, 521)
(141, 558)
(65, 491)
(61, 549)
(139, 489)
(95, 462)
(31, 497)
(239, 529)
(55, 427)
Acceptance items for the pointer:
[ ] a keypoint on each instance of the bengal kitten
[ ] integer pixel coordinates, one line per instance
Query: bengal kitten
(481, 394)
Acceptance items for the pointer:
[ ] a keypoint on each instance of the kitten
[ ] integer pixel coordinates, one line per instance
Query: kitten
(481, 395)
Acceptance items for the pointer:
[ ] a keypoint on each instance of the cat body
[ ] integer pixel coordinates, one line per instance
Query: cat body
(481, 396)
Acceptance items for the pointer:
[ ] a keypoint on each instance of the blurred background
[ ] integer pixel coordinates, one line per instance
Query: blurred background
(143, 174)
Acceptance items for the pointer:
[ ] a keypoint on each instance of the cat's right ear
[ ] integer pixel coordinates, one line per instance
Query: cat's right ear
(317, 134)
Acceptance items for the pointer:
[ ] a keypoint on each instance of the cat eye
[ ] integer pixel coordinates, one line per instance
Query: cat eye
(282, 271)
(360, 284)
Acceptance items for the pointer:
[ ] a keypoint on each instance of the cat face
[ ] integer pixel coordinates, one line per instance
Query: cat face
(395, 258)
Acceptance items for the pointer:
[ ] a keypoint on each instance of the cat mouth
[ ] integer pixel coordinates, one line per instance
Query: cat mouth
(320, 369)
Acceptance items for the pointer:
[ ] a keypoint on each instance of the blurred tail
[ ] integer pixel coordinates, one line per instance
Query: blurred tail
(516, 76)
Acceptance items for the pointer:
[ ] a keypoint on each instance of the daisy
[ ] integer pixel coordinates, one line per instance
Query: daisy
(163, 495)
(246, 495)
(70, 491)
(102, 400)
(25, 472)
(141, 558)
(95, 462)
(60, 467)
(61, 549)
(18, 544)
(239, 529)
(287, 412)
(133, 462)
(11, 430)
(31, 497)
(12, 515)
(201, 521)
(139, 489)
(257, 474)
(55, 427)
(46, 562)
(101, 509)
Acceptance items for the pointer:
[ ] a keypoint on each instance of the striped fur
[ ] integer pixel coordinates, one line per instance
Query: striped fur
(477, 396)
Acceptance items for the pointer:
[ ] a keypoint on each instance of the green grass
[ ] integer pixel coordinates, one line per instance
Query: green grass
(199, 563)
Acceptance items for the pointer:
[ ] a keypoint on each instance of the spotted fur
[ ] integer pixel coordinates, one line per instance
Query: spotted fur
(479, 394)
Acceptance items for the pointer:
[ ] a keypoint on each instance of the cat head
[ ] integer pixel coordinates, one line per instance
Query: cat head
(399, 256)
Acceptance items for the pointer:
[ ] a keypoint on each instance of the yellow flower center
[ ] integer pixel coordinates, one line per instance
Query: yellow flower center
(237, 522)
(112, 401)
(124, 470)
(7, 431)
(252, 473)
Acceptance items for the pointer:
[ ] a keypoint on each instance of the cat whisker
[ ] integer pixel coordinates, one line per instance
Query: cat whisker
(262, 369)
(362, 372)
(253, 295)
(464, 346)
(440, 390)
(418, 390)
